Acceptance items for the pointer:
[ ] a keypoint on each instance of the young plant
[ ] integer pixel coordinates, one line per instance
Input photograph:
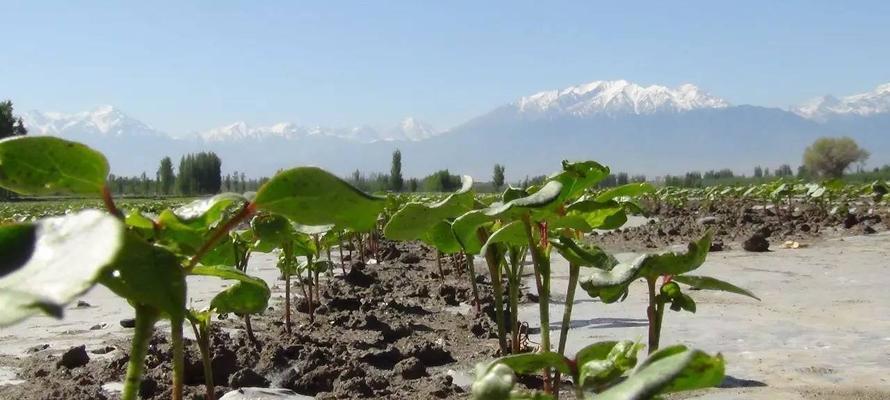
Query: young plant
(248, 295)
(600, 371)
(613, 285)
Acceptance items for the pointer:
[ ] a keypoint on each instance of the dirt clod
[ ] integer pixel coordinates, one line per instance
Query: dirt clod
(74, 357)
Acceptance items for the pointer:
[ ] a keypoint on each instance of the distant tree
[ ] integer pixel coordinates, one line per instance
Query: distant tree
(441, 181)
(758, 172)
(166, 178)
(784, 170)
(243, 182)
(638, 178)
(830, 157)
(395, 173)
(10, 125)
(497, 178)
(622, 179)
(200, 174)
(412, 184)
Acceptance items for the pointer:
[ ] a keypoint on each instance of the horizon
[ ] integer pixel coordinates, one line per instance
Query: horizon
(212, 64)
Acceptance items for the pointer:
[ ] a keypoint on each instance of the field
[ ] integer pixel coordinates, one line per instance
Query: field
(316, 289)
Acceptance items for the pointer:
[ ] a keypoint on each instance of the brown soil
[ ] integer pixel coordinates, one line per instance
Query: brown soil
(382, 331)
(736, 221)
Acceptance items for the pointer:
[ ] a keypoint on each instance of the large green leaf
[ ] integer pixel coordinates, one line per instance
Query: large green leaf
(244, 297)
(606, 214)
(708, 283)
(47, 264)
(415, 219)
(577, 177)
(442, 238)
(271, 228)
(678, 371)
(611, 285)
(465, 227)
(44, 165)
(148, 275)
(188, 228)
(545, 197)
(512, 234)
(312, 196)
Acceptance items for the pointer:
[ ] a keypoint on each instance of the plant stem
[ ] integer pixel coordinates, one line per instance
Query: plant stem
(493, 259)
(574, 272)
(471, 273)
(439, 265)
(249, 329)
(542, 280)
(652, 313)
(109, 203)
(340, 250)
(178, 357)
(287, 302)
(202, 334)
(514, 280)
(146, 317)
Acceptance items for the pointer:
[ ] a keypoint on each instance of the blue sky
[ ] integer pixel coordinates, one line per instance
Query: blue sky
(190, 66)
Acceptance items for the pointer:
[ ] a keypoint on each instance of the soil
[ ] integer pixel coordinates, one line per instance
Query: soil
(735, 222)
(395, 329)
(386, 330)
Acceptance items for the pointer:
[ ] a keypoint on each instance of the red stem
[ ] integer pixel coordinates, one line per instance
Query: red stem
(245, 212)
(109, 203)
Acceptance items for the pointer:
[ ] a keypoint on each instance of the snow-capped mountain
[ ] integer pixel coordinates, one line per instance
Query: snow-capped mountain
(651, 130)
(104, 120)
(240, 130)
(823, 108)
(616, 98)
(410, 129)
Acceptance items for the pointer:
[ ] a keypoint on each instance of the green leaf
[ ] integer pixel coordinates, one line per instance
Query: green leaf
(244, 297)
(44, 165)
(312, 196)
(527, 363)
(442, 238)
(415, 219)
(629, 190)
(585, 256)
(512, 234)
(493, 382)
(595, 351)
(611, 286)
(678, 371)
(708, 283)
(148, 275)
(464, 228)
(47, 264)
(599, 215)
(597, 373)
(543, 198)
(577, 177)
(272, 228)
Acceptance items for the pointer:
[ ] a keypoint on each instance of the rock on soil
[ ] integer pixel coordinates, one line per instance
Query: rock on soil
(756, 243)
(248, 378)
(74, 357)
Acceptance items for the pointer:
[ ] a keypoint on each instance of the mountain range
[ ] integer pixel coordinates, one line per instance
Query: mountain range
(652, 130)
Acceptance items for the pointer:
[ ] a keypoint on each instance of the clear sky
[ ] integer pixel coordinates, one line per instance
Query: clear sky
(186, 66)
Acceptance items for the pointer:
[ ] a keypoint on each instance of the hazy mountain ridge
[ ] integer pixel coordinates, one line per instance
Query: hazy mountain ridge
(650, 130)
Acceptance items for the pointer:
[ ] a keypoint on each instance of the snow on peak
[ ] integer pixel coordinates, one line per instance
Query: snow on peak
(409, 129)
(242, 131)
(104, 120)
(617, 97)
(876, 101)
